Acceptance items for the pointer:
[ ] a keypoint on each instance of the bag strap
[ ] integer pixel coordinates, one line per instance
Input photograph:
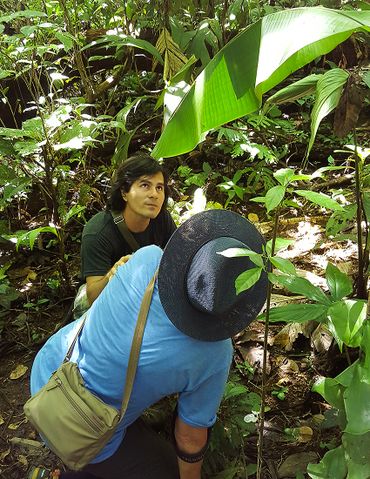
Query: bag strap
(71, 347)
(136, 344)
(125, 232)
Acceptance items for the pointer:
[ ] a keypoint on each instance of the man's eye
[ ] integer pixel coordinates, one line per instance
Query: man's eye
(144, 185)
(160, 188)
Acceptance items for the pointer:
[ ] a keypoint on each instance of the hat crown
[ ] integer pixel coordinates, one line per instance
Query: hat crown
(210, 280)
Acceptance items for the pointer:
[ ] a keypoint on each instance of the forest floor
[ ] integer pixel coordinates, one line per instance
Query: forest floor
(297, 355)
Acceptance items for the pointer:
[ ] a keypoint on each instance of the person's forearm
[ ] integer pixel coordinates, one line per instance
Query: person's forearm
(190, 470)
(94, 288)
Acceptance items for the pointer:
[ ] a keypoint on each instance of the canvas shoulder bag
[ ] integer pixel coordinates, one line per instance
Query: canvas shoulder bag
(74, 422)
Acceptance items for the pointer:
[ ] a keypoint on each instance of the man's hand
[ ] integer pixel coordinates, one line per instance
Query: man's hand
(96, 284)
(113, 269)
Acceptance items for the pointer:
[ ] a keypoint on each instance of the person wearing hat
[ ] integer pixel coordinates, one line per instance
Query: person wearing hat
(138, 197)
(186, 348)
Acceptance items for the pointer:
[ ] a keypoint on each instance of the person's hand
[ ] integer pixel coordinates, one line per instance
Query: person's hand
(113, 269)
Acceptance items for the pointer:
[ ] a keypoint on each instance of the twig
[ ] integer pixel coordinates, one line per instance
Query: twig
(264, 366)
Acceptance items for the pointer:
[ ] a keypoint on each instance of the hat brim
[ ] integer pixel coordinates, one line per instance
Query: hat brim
(178, 253)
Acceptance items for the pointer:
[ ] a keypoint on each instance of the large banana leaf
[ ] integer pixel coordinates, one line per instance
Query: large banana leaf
(251, 64)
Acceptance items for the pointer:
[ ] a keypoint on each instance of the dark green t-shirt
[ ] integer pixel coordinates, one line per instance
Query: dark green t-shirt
(102, 244)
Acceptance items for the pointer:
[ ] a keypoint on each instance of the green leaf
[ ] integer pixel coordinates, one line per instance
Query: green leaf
(283, 175)
(66, 38)
(331, 391)
(238, 252)
(356, 400)
(256, 60)
(345, 321)
(328, 92)
(280, 243)
(297, 313)
(298, 285)
(247, 279)
(294, 91)
(12, 133)
(282, 264)
(332, 466)
(357, 449)
(6, 74)
(320, 199)
(339, 284)
(121, 40)
(22, 14)
(274, 196)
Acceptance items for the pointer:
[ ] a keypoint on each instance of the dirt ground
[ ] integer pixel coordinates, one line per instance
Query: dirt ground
(297, 356)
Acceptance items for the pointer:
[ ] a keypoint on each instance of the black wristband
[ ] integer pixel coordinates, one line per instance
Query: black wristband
(191, 458)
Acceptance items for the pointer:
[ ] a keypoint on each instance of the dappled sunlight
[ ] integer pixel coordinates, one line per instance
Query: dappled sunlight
(312, 251)
(305, 239)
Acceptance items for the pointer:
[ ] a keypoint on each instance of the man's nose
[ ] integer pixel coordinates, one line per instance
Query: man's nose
(153, 193)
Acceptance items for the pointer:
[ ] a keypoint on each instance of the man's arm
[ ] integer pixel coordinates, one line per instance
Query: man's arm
(96, 284)
(190, 443)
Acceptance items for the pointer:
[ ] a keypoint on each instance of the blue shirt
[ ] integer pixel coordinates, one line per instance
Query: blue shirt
(170, 362)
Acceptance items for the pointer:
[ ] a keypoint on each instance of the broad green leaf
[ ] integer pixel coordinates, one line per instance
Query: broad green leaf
(345, 321)
(346, 376)
(365, 344)
(121, 40)
(356, 400)
(247, 279)
(366, 203)
(340, 219)
(366, 78)
(28, 30)
(339, 284)
(66, 38)
(331, 391)
(274, 196)
(357, 449)
(284, 265)
(283, 175)
(12, 133)
(298, 285)
(328, 92)
(297, 313)
(6, 74)
(280, 243)
(332, 466)
(256, 60)
(33, 235)
(237, 252)
(22, 14)
(25, 147)
(320, 199)
(319, 172)
(294, 91)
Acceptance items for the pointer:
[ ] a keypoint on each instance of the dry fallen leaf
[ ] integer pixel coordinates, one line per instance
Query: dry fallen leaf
(289, 333)
(18, 372)
(23, 460)
(1, 420)
(15, 425)
(253, 217)
(4, 454)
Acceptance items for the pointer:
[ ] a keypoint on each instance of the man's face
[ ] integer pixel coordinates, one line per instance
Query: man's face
(146, 196)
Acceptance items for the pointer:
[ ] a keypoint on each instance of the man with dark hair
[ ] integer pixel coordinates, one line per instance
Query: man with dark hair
(138, 196)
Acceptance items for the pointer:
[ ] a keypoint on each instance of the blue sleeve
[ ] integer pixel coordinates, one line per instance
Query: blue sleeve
(199, 407)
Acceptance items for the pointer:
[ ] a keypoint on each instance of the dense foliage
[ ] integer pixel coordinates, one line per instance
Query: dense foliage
(254, 110)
